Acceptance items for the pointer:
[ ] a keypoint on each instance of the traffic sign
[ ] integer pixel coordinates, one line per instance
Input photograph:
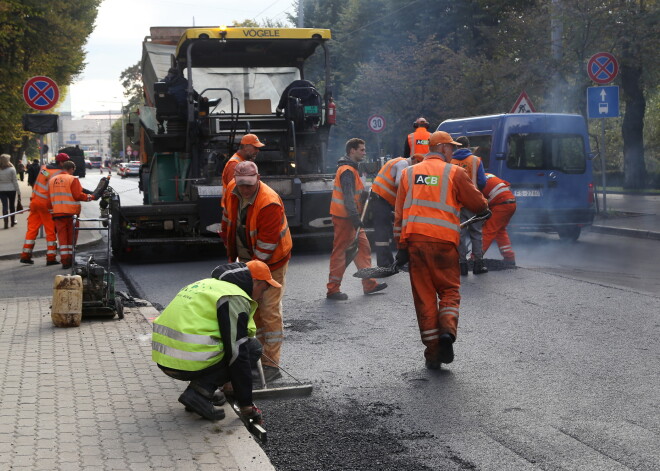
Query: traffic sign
(376, 123)
(602, 68)
(41, 93)
(523, 104)
(603, 102)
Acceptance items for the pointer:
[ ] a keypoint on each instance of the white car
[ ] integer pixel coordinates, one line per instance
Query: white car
(130, 169)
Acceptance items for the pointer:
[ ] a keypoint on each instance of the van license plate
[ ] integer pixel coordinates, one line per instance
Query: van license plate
(524, 193)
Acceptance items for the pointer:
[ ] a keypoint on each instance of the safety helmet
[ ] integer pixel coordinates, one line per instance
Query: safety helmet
(421, 122)
(61, 157)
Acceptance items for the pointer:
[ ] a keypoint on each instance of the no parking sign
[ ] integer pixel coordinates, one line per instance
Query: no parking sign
(41, 93)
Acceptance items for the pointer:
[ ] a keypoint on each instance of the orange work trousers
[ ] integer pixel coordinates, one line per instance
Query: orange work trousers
(495, 229)
(435, 279)
(65, 237)
(344, 235)
(269, 319)
(39, 216)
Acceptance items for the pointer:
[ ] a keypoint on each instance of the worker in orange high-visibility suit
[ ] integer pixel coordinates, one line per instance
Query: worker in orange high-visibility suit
(345, 209)
(255, 227)
(40, 214)
(427, 228)
(248, 150)
(383, 196)
(417, 142)
(502, 204)
(65, 194)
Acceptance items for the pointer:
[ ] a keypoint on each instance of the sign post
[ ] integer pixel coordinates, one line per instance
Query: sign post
(603, 102)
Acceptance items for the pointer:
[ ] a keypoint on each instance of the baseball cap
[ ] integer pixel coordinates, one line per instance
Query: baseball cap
(246, 173)
(61, 157)
(260, 271)
(441, 137)
(252, 139)
(418, 157)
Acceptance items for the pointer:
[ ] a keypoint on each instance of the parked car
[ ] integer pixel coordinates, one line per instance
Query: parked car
(130, 169)
(88, 163)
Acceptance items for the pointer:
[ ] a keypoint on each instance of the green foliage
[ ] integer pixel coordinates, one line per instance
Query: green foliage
(131, 80)
(38, 38)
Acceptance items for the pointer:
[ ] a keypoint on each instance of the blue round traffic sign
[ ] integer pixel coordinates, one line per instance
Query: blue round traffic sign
(602, 68)
(41, 93)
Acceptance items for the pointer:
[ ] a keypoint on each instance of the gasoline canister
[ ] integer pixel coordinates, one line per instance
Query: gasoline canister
(67, 301)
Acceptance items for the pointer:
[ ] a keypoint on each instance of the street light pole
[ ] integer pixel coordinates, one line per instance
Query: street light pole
(123, 139)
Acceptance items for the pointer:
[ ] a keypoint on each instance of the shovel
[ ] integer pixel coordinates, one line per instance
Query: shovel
(384, 272)
(352, 249)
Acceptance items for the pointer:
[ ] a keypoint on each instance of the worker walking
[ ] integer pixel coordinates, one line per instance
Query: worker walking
(255, 227)
(502, 204)
(203, 336)
(40, 214)
(383, 196)
(65, 194)
(417, 142)
(470, 235)
(427, 229)
(345, 209)
(247, 150)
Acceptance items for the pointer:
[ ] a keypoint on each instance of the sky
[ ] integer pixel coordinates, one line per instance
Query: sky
(121, 25)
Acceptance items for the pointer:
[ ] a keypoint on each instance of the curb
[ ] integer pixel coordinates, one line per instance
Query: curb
(626, 232)
(40, 252)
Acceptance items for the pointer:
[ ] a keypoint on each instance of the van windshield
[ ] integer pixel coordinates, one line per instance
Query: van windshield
(536, 151)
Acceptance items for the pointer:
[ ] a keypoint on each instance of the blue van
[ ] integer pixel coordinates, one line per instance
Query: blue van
(547, 160)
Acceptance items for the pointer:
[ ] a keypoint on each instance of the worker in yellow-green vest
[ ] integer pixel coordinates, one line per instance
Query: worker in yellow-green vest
(206, 336)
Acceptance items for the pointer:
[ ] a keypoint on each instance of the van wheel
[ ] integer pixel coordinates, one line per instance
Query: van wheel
(569, 233)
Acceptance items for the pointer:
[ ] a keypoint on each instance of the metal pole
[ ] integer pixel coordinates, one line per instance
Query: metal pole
(123, 139)
(602, 163)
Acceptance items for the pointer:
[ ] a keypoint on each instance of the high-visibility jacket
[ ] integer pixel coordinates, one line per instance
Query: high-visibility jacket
(418, 141)
(470, 164)
(337, 207)
(497, 190)
(186, 336)
(228, 171)
(65, 194)
(40, 188)
(266, 226)
(430, 207)
(384, 185)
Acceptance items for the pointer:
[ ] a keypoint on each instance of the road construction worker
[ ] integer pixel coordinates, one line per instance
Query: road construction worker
(383, 196)
(40, 215)
(417, 142)
(427, 229)
(254, 227)
(345, 209)
(206, 336)
(502, 203)
(464, 158)
(248, 150)
(65, 194)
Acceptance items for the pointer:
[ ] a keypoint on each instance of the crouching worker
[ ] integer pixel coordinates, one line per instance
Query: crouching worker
(205, 335)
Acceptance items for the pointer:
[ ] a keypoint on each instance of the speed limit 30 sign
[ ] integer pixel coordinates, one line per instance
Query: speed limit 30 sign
(376, 123)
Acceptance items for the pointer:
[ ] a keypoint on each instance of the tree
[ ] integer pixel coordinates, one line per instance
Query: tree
(131, 80)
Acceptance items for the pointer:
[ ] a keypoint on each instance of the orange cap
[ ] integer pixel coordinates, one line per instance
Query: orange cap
(252, 139)
(418, 157)
(441, 137)
(260, 271)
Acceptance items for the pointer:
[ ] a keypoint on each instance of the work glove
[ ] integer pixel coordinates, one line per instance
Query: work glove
(485, 214)
(252, 413)
(402, 257)
(357, 222)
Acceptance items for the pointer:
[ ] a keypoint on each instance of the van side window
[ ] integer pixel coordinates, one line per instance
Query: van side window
(563, 152)
(480, 146)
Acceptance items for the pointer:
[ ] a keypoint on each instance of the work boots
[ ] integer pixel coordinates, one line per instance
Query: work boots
(464, 268)
(196, 402)
(446, 352)
(479, 267)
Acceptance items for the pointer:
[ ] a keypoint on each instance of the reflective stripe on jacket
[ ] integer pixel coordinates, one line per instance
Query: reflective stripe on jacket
(430, 206)
(228, 171)
(384, 184)
(186, 336)
(65, 194)
(337, 207)
(40, 188)
(270, 240)
(497, 190)
(418, 141)
(470, 164)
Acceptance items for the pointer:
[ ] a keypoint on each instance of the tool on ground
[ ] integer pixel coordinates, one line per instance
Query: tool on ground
(254, 428)
(296, 390)
(384, 272)
(99, 296)
(352, 249)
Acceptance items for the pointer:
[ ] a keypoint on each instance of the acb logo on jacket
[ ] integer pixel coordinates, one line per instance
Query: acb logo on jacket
(429, 180)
